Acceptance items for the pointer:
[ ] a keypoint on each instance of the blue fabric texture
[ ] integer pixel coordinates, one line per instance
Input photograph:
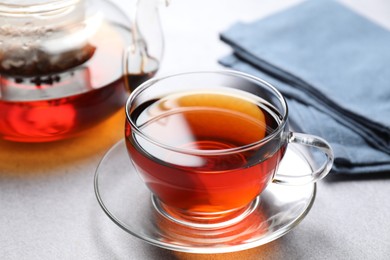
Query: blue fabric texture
(333, 66)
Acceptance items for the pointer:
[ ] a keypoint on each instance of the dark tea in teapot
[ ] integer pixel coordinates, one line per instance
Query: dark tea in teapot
(50, 91)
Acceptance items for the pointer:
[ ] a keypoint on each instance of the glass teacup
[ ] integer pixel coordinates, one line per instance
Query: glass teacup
(207, 144)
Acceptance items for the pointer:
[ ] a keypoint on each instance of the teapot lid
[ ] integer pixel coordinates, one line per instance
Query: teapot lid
(33, 7)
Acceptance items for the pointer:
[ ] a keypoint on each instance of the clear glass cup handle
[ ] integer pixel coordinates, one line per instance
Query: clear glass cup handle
(317, 174)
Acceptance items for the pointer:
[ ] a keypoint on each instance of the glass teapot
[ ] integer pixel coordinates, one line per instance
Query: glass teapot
(66, 65)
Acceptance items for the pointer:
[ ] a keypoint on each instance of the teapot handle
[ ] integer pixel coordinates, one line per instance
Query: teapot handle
(142, 57)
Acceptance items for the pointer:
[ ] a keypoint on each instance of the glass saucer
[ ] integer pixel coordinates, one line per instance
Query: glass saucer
(127, 202)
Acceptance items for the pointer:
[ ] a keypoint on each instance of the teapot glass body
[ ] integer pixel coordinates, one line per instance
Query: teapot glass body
(66, 65)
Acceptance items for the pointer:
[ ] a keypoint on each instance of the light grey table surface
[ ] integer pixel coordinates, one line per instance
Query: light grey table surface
(48, 208)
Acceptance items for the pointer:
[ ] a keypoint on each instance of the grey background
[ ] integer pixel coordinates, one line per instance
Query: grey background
(48, 208)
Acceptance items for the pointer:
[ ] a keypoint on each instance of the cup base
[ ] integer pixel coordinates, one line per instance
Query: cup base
(204, 220)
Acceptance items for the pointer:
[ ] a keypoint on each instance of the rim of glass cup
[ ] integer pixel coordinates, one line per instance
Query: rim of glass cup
(144, 86)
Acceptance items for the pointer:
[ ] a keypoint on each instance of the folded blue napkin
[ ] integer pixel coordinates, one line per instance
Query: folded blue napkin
(333, 66)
